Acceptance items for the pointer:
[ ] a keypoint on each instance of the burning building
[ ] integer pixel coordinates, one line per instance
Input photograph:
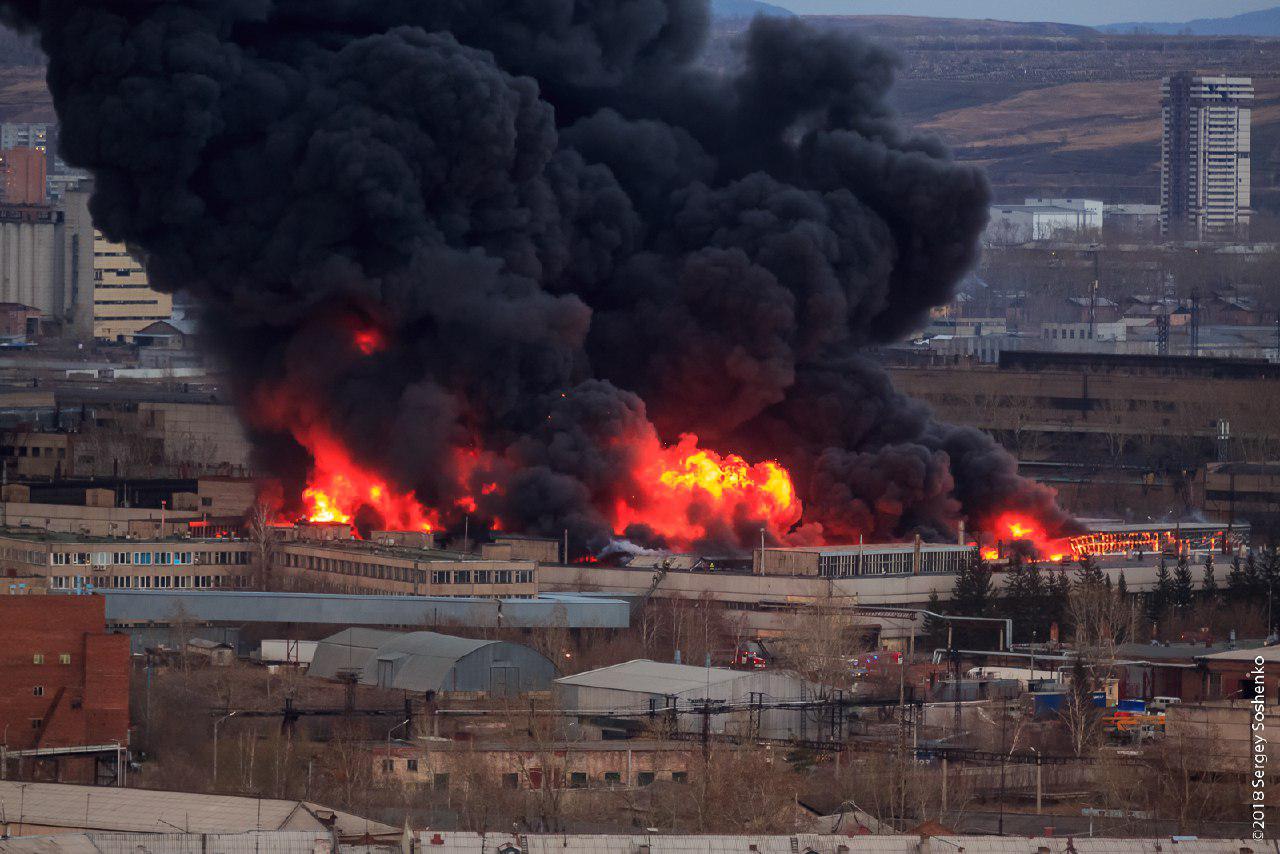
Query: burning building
(532, 265)
(1118, 538)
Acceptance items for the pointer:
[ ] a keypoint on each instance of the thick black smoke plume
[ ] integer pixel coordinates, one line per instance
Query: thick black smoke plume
(560, 234)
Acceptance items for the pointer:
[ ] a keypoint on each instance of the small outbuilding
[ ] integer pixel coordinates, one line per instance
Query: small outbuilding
(213, 653)
(635, 689)
(429, 662)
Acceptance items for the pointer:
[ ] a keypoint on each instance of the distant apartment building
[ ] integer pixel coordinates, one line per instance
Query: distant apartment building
(1204, 155)
(66, 680)
(123, 299)
(37, 135)
(1043, 219)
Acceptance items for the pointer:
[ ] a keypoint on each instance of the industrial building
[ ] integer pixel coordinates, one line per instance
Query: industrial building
(432, 663)
(24, 176)
(123, 300)
(444, 764)
(1204, 155)
(46, 260)
(145, 615)
(163, 550)
(1043, 219)
(862, 560)
(66, 685)
(602, 700)
(1074, 404)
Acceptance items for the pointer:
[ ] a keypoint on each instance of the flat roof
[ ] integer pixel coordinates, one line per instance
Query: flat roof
(873, 548)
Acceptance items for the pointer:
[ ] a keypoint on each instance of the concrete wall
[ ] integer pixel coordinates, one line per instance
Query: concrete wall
(1217, 734)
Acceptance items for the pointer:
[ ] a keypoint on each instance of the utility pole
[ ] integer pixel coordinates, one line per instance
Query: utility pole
(215, 744)
(1093, 294)
(1004, 722)
(1039, 787)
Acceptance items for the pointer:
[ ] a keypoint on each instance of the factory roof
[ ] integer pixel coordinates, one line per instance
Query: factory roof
(1183, 651)
(419, 661)
(652, 677)
(359, 609)
(1269, 654)
(149, 811)
(873, 548)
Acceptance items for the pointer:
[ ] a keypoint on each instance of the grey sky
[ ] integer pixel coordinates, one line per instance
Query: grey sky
(1070, 11)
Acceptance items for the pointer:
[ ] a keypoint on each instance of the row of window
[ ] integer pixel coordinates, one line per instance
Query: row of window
(895, 563)
(577, 779)
(63, 658)
(183, 558)
(406, 574)
(149, 582)
(33, 451)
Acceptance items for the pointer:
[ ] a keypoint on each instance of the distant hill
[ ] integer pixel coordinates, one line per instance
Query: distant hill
(1265, 22)
(747, 9)
(906, 26)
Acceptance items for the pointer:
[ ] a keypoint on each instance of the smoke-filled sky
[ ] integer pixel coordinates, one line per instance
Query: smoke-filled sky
(504, 254)
(1089, 12)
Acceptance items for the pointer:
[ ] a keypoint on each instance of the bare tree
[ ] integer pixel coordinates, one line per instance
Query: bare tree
(262, 534)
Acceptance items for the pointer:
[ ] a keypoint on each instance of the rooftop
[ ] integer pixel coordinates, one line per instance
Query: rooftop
(653, 677)
(149, 811)
(874, 548)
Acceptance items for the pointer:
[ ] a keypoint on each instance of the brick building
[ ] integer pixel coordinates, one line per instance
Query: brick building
(66, 681)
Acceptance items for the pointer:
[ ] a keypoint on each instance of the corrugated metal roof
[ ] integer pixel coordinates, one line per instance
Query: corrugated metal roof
(427, 657)
(653, 677)
(149, 811)
(349, 649)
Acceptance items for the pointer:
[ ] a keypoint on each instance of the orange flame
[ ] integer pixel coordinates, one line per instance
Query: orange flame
(1017, 527)
(685, 489)
(338, 488)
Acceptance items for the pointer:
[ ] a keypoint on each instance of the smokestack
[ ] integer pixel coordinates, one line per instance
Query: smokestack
(960, 538)
(429, 240)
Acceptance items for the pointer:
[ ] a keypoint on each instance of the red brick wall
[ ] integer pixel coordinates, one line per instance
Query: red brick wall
(85, 701)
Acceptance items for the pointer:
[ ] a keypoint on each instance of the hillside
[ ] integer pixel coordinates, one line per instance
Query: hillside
(913, 25)
(747, 9)
(1264, 22)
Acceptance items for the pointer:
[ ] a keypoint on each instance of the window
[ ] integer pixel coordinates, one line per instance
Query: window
(679, 776)
(388, 765)
(612, 778)
(644, 778)
(462, 576)
(439, 576)
(35, 723)
(578, 780)
(64, 658)
(412, 764)
(38, 658)
(440, 782)
(37, 691)
(511, 781)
